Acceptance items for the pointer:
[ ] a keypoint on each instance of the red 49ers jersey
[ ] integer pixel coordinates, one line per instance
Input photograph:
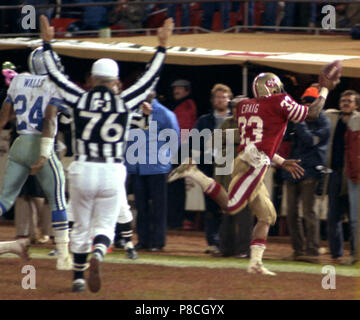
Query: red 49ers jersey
(263, 121)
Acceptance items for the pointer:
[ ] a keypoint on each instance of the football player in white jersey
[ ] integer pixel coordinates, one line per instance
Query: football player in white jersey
(28, 97)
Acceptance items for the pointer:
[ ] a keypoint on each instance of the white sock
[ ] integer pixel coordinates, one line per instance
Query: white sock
(62, 242)
(257, 252)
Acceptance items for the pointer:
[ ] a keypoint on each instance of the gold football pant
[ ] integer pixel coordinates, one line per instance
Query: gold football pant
(247, 188)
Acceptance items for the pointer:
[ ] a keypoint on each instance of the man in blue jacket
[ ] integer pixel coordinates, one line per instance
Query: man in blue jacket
(148, 160)
(309, 144)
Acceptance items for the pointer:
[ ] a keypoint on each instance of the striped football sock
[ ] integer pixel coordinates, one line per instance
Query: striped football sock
(101, 243)
(80, 265)
(127, 233)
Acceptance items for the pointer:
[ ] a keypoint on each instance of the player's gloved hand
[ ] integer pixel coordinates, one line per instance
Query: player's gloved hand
(292, 166)
(37, 166)
(46, 31)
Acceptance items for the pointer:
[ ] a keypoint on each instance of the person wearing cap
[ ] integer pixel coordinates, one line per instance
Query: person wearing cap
(97, 176)
(185, 110)
(183, 106)
(342, 159)
(309, 143)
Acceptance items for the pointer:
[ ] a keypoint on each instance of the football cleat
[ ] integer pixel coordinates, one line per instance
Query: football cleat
(260, 269)
(53, 252)
(78, 285)
(43, 239)
(212, 250)
(131, 253)
(95, 274)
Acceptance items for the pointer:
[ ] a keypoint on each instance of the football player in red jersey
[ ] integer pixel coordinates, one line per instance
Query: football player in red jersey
(262, 123)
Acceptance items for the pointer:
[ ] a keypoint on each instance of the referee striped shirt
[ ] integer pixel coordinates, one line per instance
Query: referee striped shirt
(101, 118)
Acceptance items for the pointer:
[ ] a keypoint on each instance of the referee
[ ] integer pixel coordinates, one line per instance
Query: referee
(101, 125)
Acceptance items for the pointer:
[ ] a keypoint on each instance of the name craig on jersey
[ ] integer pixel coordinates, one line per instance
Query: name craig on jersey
(288, 103)
(33, 83)
(250, 108)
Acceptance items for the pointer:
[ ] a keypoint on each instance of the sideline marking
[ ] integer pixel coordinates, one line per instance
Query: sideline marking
(212, 263)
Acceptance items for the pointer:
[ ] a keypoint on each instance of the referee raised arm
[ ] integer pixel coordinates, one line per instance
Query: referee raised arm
(100, 126)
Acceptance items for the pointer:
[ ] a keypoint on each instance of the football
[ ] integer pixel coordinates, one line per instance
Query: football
(333, 70)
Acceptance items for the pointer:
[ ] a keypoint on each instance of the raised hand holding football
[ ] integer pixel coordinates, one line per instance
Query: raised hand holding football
(330, 75)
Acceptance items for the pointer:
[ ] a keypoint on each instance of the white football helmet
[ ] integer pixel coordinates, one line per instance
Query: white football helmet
(36, 62)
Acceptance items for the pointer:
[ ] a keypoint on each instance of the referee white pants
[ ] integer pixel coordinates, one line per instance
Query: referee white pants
(125, 215)
(97, 191)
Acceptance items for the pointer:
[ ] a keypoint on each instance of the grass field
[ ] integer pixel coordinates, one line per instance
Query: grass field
(181, 272)
(177, 278)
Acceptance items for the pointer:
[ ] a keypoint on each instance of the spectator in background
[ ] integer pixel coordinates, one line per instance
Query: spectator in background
(309, 144)
(270, 13)
(347, 15)
(71, 12)
(8, 71)
(10, 19)
(239, 8)
(299, 14)
(94, 17)
(127, 15)
(352, 163)
(150, 179)
(209, 9)
(184, 108)
(220, 98)
(185, 13)
(338, 199)
(235, 230)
